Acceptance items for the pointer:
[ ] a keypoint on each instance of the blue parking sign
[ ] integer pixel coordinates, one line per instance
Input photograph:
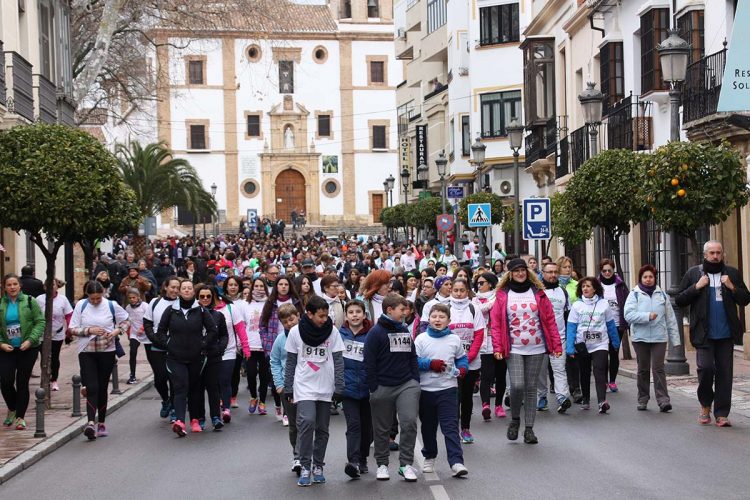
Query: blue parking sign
(537, 219)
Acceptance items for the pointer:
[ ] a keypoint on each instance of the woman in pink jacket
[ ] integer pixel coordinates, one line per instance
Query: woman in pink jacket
(523, 331)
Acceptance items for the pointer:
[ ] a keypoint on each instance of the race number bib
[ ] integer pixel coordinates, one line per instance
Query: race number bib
(467, 346)
(317, 354)
(354, 350)
(13, 332)
(591, 337)
(400, 342)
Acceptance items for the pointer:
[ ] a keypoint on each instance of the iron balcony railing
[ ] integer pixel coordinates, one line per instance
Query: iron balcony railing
(702, 87)
(46, 95)
(2, 77)
(629, 125)
(541, 141)
(22, 83)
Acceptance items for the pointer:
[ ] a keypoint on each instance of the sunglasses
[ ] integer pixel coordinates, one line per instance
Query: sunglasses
(608, 270)
(481, 282)
(203, 296)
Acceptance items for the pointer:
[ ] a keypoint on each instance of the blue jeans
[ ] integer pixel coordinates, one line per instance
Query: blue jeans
(440, 407)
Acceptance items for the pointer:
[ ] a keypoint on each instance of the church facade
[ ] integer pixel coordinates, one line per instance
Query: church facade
(292, 113)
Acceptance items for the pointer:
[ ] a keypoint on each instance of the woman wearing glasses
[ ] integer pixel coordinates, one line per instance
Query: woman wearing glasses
(492, 370)
(615, 293)
(214, 353)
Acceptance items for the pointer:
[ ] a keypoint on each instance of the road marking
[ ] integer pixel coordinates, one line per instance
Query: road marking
(439, 493)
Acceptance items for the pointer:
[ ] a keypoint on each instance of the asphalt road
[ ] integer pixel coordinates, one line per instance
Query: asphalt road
(626, 454)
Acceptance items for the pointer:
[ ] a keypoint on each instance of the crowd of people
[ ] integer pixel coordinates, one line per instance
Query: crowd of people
(393, 334)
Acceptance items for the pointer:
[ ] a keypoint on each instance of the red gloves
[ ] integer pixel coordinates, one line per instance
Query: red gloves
(437, 365)
(462, 372)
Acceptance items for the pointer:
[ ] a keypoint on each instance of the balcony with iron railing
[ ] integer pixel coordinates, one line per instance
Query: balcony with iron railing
(46, 98)
(2, 78)
(700, 94)
(541, 141)
(629, 125)
(21, 84)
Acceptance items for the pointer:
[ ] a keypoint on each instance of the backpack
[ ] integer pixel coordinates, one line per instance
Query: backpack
(119, 351)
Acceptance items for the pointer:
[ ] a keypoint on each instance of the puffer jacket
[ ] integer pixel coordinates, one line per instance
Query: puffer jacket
(355, 374)
(639, 305)
(31, 318)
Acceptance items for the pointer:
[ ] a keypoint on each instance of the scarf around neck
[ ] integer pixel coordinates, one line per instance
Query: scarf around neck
(520, 287)
(564, 280)
(313, 335)
(438, 333)
(713, 267)
(647, 289)
(459, 304)
(608, 281)
(259, 296)
(550, 285)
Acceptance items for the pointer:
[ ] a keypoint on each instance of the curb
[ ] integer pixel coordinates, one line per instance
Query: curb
(51, 443)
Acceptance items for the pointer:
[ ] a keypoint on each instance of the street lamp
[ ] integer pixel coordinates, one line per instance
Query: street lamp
(391, 183)
(673, 57)
(478, 150)
(592, 100)
(441, 162)
(213, 195)
(405, 174)
(515, 136)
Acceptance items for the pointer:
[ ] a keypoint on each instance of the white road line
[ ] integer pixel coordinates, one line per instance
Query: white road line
(439, 493)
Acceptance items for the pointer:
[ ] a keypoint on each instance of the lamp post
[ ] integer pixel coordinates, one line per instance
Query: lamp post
(515, 136)
(386, 190)
(391, 184)
(213, 195)
(405, 182)
(673, 56)
(591, 100)
(441, 162)
(478, 150)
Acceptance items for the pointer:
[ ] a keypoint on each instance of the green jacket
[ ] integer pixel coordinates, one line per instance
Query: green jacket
(572, 289)
(31, 316)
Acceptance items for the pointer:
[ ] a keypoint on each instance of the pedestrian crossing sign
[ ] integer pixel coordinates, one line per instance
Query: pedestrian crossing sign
(480, 215)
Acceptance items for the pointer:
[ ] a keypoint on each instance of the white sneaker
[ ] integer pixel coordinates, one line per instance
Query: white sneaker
(408, 472)
(285, 421)
(428, 466)
(459, 470)
(383, 474)
(296, 466)
(54, 386)
(279, 413)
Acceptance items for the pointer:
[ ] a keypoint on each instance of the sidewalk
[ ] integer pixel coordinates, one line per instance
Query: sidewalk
(688, 384)
(20, 449)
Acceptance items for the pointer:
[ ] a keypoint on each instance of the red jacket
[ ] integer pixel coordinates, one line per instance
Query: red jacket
(499, 323)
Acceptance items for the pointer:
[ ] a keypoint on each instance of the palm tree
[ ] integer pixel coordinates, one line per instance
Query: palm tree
(161, 181)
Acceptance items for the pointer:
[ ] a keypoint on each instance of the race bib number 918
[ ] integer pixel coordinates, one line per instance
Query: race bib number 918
(400, 342)
(317, 354)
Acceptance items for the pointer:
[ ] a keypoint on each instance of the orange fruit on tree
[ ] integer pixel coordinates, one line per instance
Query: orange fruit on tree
(675, 181)
(681, 193)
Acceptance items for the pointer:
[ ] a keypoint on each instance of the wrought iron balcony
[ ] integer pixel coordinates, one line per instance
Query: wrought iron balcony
(2, 77)
(46, 95)
(541, 141)
(700, 95)
(629, 125)
(21, 82)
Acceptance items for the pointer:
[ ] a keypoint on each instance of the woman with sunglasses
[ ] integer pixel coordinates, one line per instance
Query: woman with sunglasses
(616, 294)
(214, 353)
(492, 370)
(257, 366)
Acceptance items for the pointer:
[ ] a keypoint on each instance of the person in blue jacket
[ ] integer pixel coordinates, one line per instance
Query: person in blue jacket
(356, 400)
(289, 317)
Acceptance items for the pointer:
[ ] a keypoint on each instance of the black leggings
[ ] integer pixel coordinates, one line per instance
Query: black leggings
(236, 376)
(96, 370)
(493, 371)
(134, 345)
(55, 368)
(258, 366)
(466, 397)
(162, 382)
(210, 385)
(186, 382)
(15, 373)
(573, 371)
(597, 360)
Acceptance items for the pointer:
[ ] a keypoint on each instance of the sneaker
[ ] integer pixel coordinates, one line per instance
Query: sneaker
(641, 406)
(577, 397)
(202, 423)
(54, 386)
(279, 413)
(195, 426)
(529, 437)
(603, 407)
(363, 469)
(178, 427)
(408, 472)
(612, 387)
(382, 474)
(499, 412)
(296, 467)
(428, 467)
(665, 408)
(262, 411)
(393, 445)
(466, 436)
(334, 409)
(9, 419)
(234, 404)
(585, 405)
(217, 423)
(226, 416)
(513, 427)
(351, 470)
(252, 406)
(84, 391)
(21, 424)
(304, 478)
(285, 421)
(172, 414)
(90, 432)
(164, 412)
(506, 400)
(317, 475)
(486, 412)
(459, 470)
(705, 416)
(132, 380)
(564, 405)
(542, 405)
(101, 431)
(720, 422)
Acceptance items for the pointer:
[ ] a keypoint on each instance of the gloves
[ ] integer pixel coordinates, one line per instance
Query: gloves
(437, 365)
(462, 372)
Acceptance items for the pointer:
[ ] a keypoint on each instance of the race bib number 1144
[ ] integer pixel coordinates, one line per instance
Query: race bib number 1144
(400, 342)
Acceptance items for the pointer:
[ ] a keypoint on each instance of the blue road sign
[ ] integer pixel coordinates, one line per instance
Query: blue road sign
(537, 219)
(455, 191)
(252, 219)
(480, 215)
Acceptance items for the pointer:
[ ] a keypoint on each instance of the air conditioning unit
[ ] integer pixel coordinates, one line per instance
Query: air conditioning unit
(401, 33)
(505, 188)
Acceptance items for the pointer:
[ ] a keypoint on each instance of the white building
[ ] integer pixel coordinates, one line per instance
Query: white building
(294, 112)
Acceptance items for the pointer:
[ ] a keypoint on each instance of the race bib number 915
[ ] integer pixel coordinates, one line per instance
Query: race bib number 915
(354, 350)
(400, 342)
(317, 354)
